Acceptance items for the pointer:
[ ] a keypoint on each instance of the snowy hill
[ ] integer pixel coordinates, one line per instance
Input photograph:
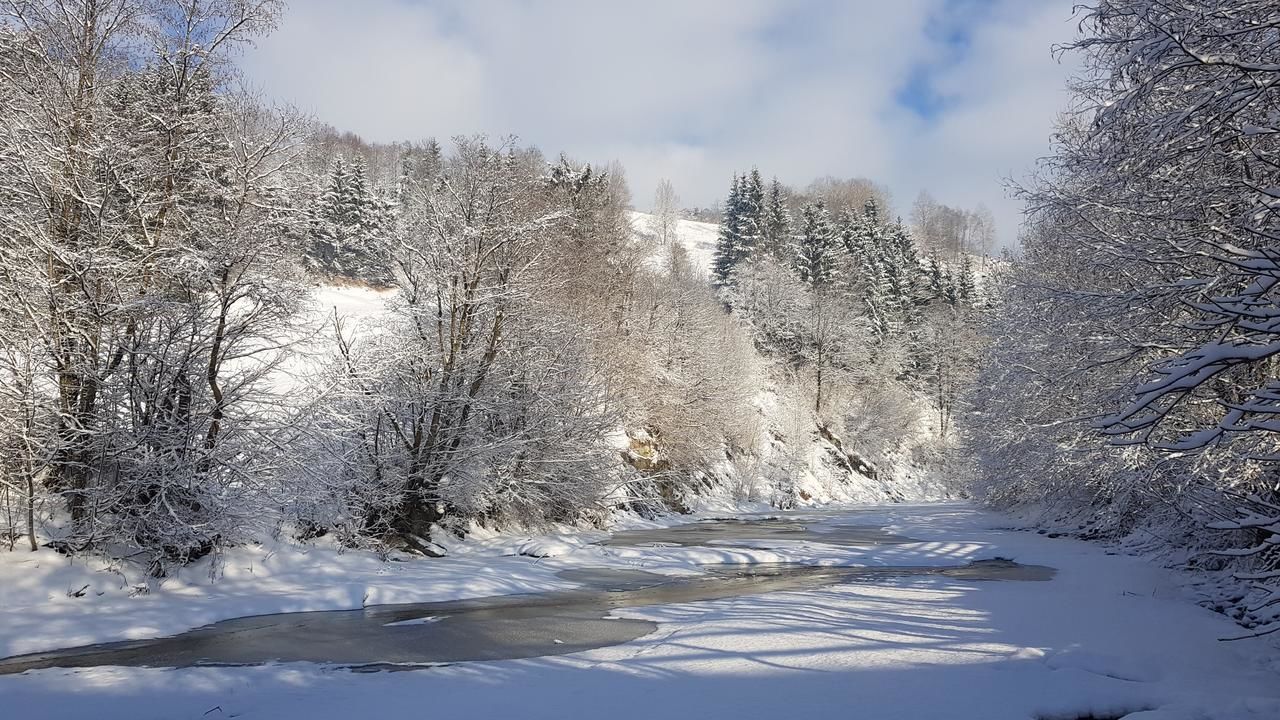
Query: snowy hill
(361, 309)
(792, 450)
(698, 238)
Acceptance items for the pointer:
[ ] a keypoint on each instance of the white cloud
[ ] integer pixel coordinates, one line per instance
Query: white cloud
(691, 90)
(1006, 93)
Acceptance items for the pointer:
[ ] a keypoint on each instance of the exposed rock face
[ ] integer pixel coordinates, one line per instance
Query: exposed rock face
(644, 452)
(851, 460)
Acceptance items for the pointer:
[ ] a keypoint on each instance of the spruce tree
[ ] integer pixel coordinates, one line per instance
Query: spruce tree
(871, 211)
(751, 219)
(936, 284)
(815, 252)
(729, 243)
(876, 294)
(904, 274)
(349, 221)
(966, 287)
(326, 217)
(950, 292)
(777, 223)
(849, 228)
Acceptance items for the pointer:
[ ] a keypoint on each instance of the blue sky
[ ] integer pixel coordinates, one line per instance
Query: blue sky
(946, 95)
(950, 28)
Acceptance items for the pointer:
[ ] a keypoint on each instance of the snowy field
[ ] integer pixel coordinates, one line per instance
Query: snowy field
(698, 238)
(1109, 635)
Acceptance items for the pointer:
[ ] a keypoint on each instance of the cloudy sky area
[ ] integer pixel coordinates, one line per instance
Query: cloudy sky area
(952, 96)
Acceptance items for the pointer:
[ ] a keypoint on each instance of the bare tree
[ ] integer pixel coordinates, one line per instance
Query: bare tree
(666, 213)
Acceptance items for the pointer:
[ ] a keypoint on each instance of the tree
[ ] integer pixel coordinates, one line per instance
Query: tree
(937, 278)
(666, 213)
(58, 76)
(477, 401)
(816, 246)
(350, 224)
(139, 178)
(729, 244)
(751, 218)
(966, 288)
(954, 345)
(895, 278)
(1137, 327)
(777, 224)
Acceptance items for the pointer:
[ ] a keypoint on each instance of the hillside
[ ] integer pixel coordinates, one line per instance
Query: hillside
(790, 462)
(822, 466)
(698, 238)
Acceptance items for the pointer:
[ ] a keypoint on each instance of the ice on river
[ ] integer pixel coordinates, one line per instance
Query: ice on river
(1107, 636)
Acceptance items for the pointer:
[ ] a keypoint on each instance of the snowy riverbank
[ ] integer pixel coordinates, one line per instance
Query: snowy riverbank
(1109, 634)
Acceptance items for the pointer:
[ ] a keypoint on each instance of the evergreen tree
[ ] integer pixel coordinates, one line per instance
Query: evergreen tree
(777, 223)
(966, 287)
(903, 273)
(950, 292)
(876, 295)
(349, 222)
(815, 252)
(897, 282)
(752, 223)
(936, 279)
(729, 248)
(853, 236)
(862, 234)
(871, 211)
(405, 181)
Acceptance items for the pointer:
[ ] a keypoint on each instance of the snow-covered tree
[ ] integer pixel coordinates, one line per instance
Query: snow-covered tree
(743, 226)
(729, 246)
(816, 246)
(776, 239)
(478, 400)
(966, 287)
(350, 224)
(1143, 305)
(752, 223)
(145, 257)
(666, 213)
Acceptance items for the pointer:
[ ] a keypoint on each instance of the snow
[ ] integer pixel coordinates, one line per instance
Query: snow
(698, 238)
(39, 612)
(548, 547)
(1110, 634)
(361, 309)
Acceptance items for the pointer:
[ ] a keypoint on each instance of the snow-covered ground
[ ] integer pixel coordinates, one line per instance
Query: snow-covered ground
(698, 238)
(360, 308)
(1110, 634)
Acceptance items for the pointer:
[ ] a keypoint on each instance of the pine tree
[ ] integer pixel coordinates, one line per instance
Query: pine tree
(777, 223)
(936, 284)
(349, 222)
(966, 287)
(815, 251)
(752, 224)
(729, 245)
